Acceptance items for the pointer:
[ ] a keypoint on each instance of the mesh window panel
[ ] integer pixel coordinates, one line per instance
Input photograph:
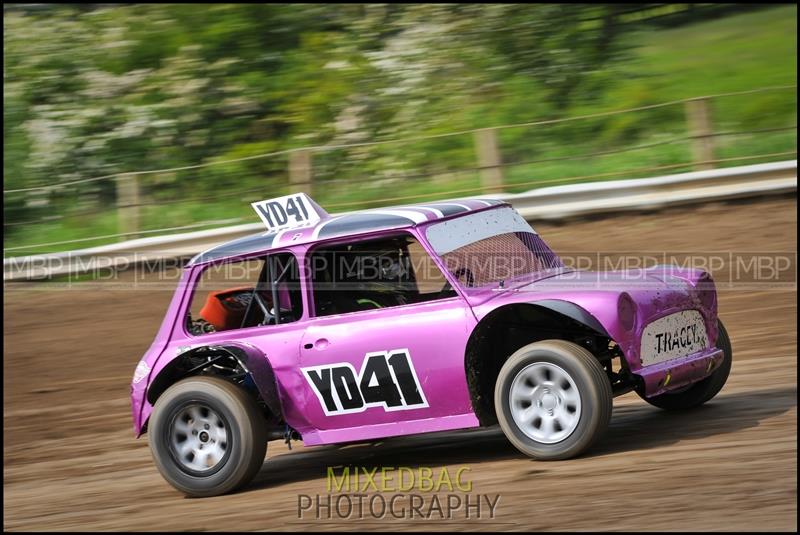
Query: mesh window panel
(501, 257)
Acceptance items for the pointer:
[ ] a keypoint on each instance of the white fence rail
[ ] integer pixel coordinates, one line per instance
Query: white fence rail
(544, 203)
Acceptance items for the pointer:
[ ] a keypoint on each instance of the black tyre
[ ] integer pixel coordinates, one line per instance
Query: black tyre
(207, 436)
(701, 391)
(553, 399)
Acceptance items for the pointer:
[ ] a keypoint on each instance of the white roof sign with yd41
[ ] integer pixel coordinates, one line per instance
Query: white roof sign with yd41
(289, 211)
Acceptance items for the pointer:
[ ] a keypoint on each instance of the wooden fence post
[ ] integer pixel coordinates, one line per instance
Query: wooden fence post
(698, 117)
(489, 160)
(128, 205)
(300, 176)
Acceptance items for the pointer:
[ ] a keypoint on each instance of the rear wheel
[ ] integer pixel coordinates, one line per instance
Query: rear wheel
(553, 399)
(703, 390)
(207, 436)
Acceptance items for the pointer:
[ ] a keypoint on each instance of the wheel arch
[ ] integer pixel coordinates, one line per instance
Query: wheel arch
(258, 376)
(504, 330)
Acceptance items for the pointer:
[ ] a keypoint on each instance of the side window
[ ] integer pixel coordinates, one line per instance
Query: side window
(235, 295)
(374, 274)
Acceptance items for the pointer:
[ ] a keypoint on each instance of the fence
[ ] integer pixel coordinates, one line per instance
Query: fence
(501, 156)
(542, 203)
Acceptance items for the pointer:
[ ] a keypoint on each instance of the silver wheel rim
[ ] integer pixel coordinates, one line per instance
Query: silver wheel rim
(198, 437)
(545, 403)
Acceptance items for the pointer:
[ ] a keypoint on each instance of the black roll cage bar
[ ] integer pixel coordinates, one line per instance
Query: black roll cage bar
(268, 275)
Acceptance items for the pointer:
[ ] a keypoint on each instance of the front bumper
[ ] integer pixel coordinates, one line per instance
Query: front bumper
(677, 373)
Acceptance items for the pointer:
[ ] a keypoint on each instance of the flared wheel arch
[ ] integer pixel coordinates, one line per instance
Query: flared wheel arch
(504, 330)
(258, 368)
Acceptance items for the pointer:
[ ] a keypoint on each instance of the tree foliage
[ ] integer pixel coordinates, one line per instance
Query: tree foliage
(93, 90)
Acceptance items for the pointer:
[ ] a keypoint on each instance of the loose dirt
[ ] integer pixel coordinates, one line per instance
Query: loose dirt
(71, 461)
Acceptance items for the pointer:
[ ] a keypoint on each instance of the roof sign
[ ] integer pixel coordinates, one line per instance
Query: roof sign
(289, 211)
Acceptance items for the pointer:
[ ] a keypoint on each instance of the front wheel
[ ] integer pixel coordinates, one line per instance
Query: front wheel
(207, 436)
(553, 399)
(703, 390)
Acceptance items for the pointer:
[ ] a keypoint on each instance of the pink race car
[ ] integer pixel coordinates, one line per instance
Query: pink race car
(405, 320)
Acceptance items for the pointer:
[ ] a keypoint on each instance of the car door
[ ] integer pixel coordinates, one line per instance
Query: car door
(389, 365)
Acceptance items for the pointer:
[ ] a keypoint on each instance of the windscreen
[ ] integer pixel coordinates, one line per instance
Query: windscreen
(491, 246)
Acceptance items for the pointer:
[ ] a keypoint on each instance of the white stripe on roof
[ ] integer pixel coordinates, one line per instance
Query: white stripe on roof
(412, 214)
(315, 234)
(438, 213)
(464, 206)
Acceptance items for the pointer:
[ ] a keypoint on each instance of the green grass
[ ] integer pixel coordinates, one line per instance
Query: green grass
(735, 53)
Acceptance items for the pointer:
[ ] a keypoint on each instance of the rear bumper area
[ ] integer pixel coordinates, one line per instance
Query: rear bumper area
(676, 373)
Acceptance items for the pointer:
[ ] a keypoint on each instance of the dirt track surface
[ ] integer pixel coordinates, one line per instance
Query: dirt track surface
(71, 462)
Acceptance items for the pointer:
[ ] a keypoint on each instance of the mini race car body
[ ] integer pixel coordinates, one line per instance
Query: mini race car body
(503, 332)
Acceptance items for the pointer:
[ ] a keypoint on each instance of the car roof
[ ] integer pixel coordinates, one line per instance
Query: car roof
(349, 224)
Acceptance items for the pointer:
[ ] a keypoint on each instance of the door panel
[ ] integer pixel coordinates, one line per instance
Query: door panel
(389, 365)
